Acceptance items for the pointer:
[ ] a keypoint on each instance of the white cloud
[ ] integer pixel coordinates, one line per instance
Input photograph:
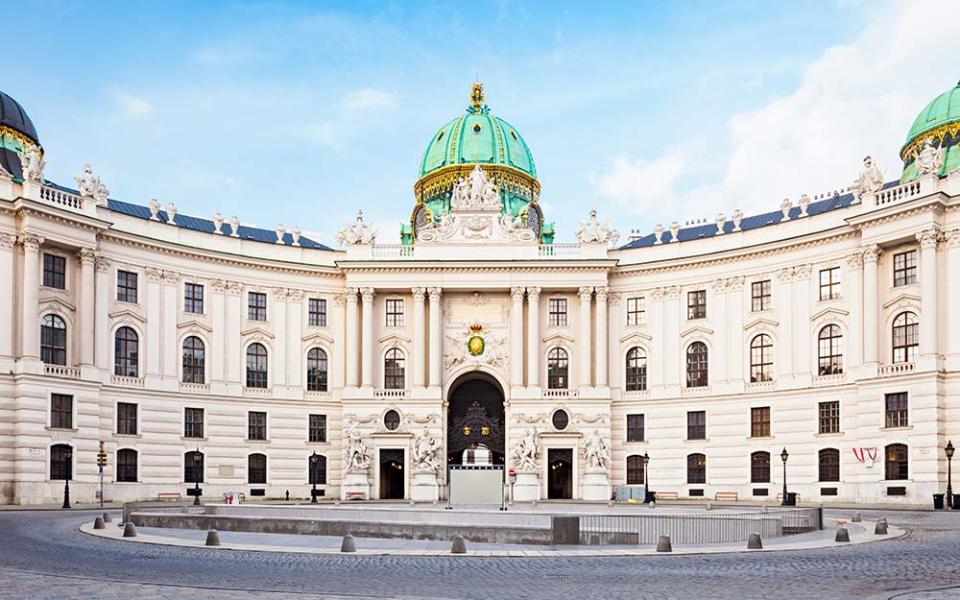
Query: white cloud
(638, 183)
(368, 98)
(855, 99)
(130, 105)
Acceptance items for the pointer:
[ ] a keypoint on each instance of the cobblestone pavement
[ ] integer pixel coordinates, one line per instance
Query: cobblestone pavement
(42, 555)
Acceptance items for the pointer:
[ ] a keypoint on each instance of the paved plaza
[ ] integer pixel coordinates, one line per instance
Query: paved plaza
(44, 555)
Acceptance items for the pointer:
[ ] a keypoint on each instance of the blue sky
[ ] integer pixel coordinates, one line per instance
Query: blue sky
(301, 113)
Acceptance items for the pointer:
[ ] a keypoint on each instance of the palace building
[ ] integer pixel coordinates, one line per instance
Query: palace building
(263, 362)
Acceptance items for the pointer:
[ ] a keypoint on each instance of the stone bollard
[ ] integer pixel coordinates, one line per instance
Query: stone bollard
(98, 523)
(880, 528)
(663, 544)
(106, 517)
(754, 542)
(857, 518)
(129, 530)
(348, 545)
(459, 546)
(652, 504)
(708, 506)
(842, 535)
(213, 538)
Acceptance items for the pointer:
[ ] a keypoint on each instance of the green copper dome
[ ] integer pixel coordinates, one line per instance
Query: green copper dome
(939, 122)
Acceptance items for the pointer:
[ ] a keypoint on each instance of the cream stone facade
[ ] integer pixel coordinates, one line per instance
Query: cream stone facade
(857, 376)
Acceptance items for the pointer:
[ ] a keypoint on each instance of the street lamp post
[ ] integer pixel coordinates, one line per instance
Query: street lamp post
(646, 475)
(313, 477)
(948, 450)
(68, 457)
(784, 456)
(197, 458)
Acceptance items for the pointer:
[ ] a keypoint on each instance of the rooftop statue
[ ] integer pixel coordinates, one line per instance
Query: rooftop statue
(929, 159)
(593, 232)
(32, 164)
(870, 180)
(356, 233)
(477, 192)
(89, 185)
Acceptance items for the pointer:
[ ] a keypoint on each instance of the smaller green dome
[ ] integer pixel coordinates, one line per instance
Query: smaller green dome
(938, 122)
(942, 110)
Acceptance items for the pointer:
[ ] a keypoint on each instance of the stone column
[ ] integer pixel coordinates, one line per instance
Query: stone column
(366, 352)
(6, 299)
(516, 337)
(929, 325)
(585, 341)
(29, 308)
(101, 320)
(952, 277)
(801, 325)
(674, 356)
(294, 334)
(352, 340)
(419, 357)
(87, 305)
(717, 312)
(734, 331)
(533, 336)
(278, 361)
(234, 324)
(602, 349)
(854, 291)
(785, 300)
(615, 323)
(436, 337)
(656, 361)
(218, 312)
(870, 305)
(171, 308)
(151, 345)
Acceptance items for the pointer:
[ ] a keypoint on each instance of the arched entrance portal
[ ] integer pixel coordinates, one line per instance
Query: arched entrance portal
(475, 415)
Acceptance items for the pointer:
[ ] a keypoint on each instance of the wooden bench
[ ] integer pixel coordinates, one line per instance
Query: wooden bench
(665, 496)
(169, 496)
(356, 496)
(780, 497)
(731, 496)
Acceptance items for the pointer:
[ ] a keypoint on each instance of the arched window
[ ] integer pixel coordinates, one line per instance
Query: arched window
(830, 341)
(193, 360)
(696, 468)
(256, 366)
(317, 370)
(636, 370)
(760, 467)
(761, 358)
(697, 365)
(126, 354)
(126, 465)
(393, 370)
(317, 468)
(829, 464)
(896, 460)
(557, 369)
(53, 340)
(635, 474)
(193, 467)
(906, 337)
(61, 462)
(257, 469)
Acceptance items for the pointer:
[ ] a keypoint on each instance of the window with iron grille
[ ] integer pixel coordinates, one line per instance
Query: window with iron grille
(256, 425)
(760, 467)
(54, 271)
(193, 467)
(256, 366)
(697, 425)
(318, 469)
(760, 295)
(317, 312)
(636, 375)
(761, 358)
(830, 416)
(636, 311)
(194, 360)
(257, 306)
(760, 421)
(830, 283)
(905, 268)
(635, 428)
(61, 411)
(127, 465)
(394, 312)
(318, 428)
(697, 365)
(126, 286)
(193, 423)
(895, 456)
(193, 298)
(316, 370)
(257, 469)
(126, 361)
(557, 367)
(394, 372)
(829, 464)
(126, 418)
(830, 343)
(53, 340)
(906, 337)
(896, 409)
(61, 462)
(557, 312)
(696, 468)
(635, 474)
(697, 304)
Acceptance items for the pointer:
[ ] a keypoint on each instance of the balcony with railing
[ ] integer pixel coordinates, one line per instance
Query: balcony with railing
(61, 371)
(895, 369)
(391, 394)
(67, 200)
(563, 393)
(122, 381)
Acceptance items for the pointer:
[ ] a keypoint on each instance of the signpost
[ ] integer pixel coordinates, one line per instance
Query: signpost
(511, 479)
(101, 463)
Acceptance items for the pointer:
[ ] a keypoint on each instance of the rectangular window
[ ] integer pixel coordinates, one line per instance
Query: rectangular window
(830, 283)
(54, 271)
(256, 425)
(760, 421)
(193, 298)
(126, 418)
(760, 295)
(61, 411)
(257, 306)
(558, 312)
(897, 409)
(318, 428)
(127, 465)
(697, 304)
(636, 311)
(634, 428)
(193, 423)
(394, 312)
(905, 268)
(830, 417)
(317, 312)
(126, 286)
(697, 425)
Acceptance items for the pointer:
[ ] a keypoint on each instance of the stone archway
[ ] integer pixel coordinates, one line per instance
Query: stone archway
(475, 415)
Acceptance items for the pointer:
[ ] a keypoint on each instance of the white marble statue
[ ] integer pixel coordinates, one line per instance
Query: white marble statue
(593, 232)
(870, 180)
(425, 449)
(526, 452)
(929, 159)
(358, 456)
(595, 451)
(32, 164)
(357, 232)
(477, 192)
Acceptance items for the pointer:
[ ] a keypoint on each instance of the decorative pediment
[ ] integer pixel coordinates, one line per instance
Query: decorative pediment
(57, 303)
(559, 336)
(635, 337)
(830, 313)
(394, 338)
(904, 300)
(127, 314)
(697, 330)
(317, 337)
(257, 332)
(760, 324)
(195, 325)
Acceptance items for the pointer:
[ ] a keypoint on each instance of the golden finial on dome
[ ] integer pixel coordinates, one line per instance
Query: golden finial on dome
(476, 96)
